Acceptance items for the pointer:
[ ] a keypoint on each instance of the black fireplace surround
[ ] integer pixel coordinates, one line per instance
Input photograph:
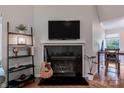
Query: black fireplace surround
(66, 61)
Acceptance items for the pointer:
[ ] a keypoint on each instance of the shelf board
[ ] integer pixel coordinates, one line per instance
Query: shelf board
(17, 45)
(15, 83)
(15, 33)
(20, 68)
(21, 56)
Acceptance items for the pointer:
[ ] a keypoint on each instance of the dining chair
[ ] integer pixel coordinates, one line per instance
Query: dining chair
(112, 57)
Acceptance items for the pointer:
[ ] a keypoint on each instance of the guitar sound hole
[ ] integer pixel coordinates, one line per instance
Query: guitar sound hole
(46, 71)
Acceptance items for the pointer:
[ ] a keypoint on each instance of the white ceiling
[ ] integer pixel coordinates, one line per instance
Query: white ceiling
(112, 16)
(109, 12)
(113, 24)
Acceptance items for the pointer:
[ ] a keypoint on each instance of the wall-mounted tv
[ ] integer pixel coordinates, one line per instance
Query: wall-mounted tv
(63, 30)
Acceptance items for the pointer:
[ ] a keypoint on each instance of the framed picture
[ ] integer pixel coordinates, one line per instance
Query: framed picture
(21, 40)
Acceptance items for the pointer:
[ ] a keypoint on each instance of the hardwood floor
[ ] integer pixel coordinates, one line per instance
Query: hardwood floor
(111, 80)
(100, 81)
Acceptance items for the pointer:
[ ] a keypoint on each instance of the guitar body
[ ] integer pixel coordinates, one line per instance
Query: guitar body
(46, 71)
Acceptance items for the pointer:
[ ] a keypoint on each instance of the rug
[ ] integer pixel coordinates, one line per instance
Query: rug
(64, 81)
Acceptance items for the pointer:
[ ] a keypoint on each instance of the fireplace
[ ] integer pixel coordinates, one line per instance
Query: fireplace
(67, 62)
(66, 58)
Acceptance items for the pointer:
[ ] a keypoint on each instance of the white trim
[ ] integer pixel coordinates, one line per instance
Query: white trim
(112, 35)
(83, 67)
(63, 42)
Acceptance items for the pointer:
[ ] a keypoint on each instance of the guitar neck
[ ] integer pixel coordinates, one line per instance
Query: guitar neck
(45, 54)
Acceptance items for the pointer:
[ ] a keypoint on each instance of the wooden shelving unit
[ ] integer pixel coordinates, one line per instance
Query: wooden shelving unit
(13, 69)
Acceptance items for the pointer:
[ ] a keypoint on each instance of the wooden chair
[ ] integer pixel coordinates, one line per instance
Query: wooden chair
(112, 56)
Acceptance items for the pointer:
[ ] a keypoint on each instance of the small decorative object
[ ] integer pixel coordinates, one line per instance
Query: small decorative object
(21, 40)
(22, 77)
(21, 28)
(16, 65)
(15, 51)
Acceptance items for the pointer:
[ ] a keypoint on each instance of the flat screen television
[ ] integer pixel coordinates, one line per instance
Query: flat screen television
(64, 30)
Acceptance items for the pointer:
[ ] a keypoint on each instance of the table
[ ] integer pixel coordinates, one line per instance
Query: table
(103, 52)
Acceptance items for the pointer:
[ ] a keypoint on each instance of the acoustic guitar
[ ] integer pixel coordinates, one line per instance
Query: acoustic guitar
(46, 71)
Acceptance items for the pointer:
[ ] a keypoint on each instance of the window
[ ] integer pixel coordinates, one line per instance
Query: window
(112, 41)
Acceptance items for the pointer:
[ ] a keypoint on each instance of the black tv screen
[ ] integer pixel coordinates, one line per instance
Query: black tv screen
(64, 29)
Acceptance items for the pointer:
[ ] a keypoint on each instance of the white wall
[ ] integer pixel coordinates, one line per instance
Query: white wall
(86, 15)
(0, 40)
(15, 15)
(98, 36)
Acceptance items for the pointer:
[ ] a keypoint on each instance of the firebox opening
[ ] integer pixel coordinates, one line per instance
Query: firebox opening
(66, 61)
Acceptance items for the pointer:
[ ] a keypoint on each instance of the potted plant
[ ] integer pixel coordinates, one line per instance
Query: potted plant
(21, 28)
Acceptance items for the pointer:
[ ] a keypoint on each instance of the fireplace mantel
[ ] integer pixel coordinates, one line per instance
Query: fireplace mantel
(63, 42)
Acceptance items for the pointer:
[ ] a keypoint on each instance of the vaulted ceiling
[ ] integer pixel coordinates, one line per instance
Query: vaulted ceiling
(110, 12)
(112, 16)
